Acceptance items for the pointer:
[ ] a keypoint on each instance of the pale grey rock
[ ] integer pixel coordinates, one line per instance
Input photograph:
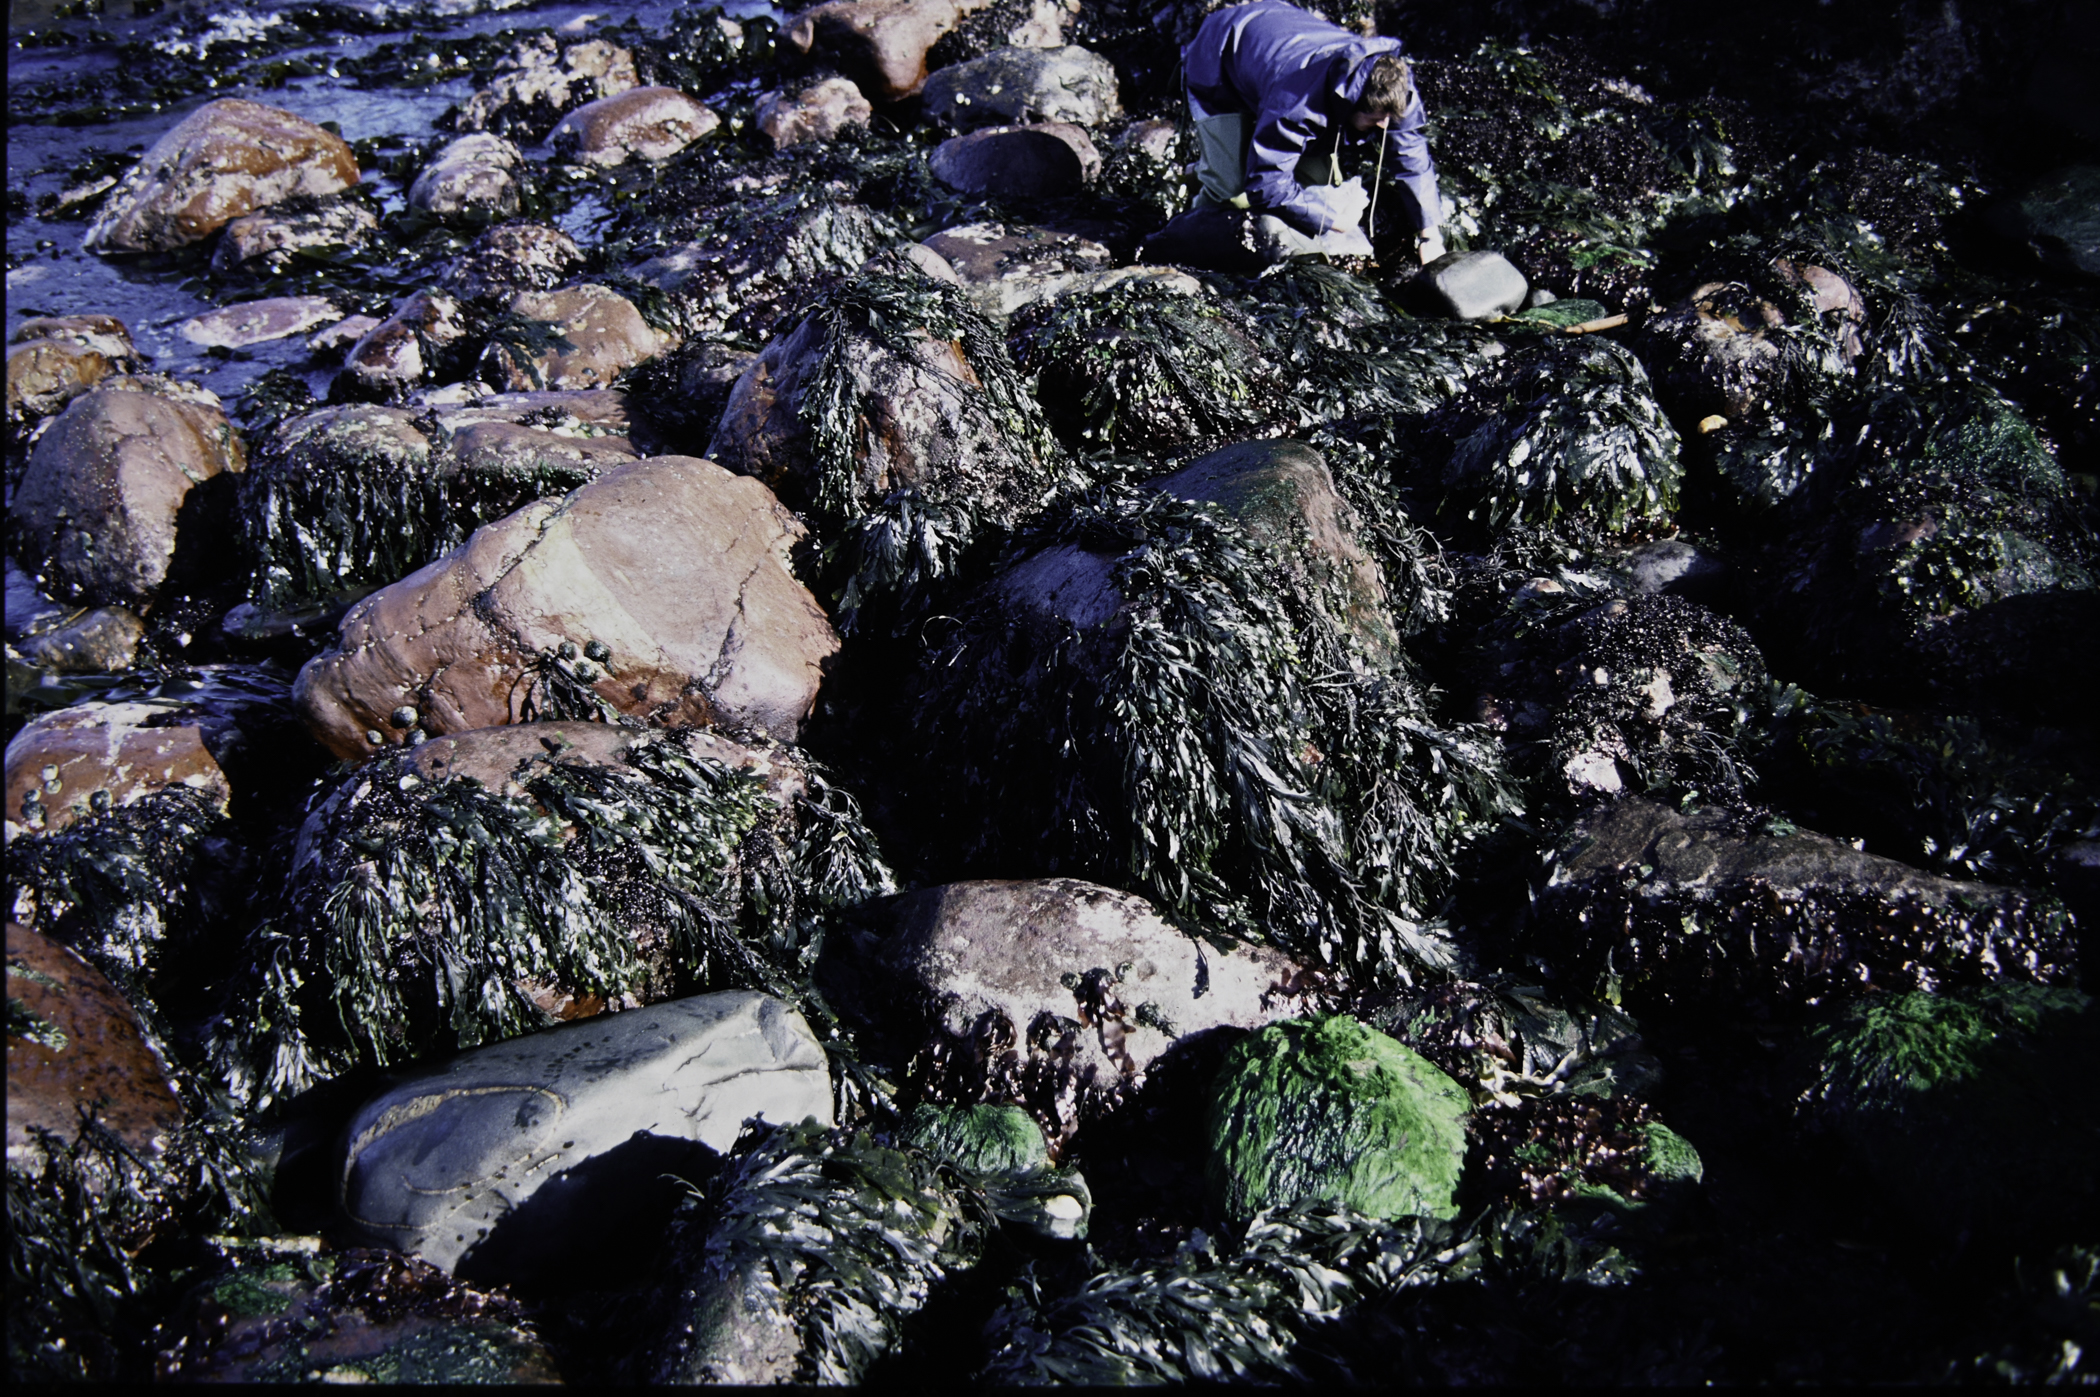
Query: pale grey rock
(1021, 86)
(1005, 267)
(1475, 285)
(509, 1160)
(1025, 162)
(258, 322)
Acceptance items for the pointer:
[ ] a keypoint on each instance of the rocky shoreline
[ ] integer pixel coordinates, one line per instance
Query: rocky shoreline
(679, 712)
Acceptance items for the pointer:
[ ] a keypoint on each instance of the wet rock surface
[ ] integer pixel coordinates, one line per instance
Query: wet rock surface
(1660, 706)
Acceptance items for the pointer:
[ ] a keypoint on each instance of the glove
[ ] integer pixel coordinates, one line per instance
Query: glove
(1343, 205)
(1430, 245)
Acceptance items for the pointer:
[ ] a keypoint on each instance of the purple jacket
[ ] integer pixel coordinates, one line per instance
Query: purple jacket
(1300, 77)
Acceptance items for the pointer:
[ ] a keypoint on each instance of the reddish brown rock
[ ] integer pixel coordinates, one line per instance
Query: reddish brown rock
(649, 123)
(390, 360)
(63, 766)
(815, 113)
(605, 333)
(96, 511)
(880, 44)
(226, 159)
(52, 360)
(74, 1046)
(673, 565)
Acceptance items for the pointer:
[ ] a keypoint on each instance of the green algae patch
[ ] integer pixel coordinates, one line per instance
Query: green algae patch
(986, 1139)
(1326, 1108)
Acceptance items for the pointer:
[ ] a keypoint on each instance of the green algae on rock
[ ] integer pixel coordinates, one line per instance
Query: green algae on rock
(1328, 1110)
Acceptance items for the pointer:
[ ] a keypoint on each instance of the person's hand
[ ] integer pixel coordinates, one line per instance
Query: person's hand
(1346, 204)
(1430, 246)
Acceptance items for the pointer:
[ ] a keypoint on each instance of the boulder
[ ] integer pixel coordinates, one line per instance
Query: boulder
(226, 159)
(1047, 161)
(70, 639)
(1666, 905)
(1283, 494)
(1325, 1109)
(470, 180)
(1006, 267)
(258, 322)
(66, 765)
(98, 504)
(52, 360)
(683, 392)
(759, 275)
(509, 258)
(603, 333)
(647, 123)
(511, 1161)
(537, 82)
(813, 114)
(274, 1307)
(75, 1047)
(406, 349)
(1474, 285)
(676, 565)
(272, 239)
(1022, 86)
(880, 44)
(1750, 350)
(1078, 980)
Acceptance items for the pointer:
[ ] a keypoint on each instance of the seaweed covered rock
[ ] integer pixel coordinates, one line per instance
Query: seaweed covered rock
(97, 511)
(1547, 1148)
(1141, 368)
(1666, 907)
(538, 81)
(555, 869)
(52, 360)
(1561, 430)
(812, 114)
(1753, 350)
(1045, 161)
(76, 1051)
(275, 239)
(279, 1314)
(1054, 993)
(892, 416)
(510, 258)
(1023, 86)
(1630, 693)
(227, 158)
(512, 1160)
(1283, 495)
(1969, 1111)
(880, 44)
(1006, 267)
(471, 180)
(806, 1258)
(645, 123)
(578, 337)
(1326, 1110)
(1151, 704)
(426, 339)
(673, 571)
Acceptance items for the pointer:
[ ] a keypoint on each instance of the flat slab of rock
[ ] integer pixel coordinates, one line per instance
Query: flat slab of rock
(811, 114)
(1019, 162)
(509, 1157)
(1475, 285)
(606, 335)
(1007, 266)
(677, 566)
(226, 159)
(96, 510)
(74, 1044)
(1685, 906)
(65, 765)
(1279, 490)
(646, 123)
(1095, 969)
(1017, 86)
(258, 322)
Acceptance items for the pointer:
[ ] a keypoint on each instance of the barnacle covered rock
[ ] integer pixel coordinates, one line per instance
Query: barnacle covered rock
(96, 514)
(52, 360)
(811, 114)
(1327, 1110)
(1006, 266)
(1053, 993)
(1626, 693)
(1024, 85)
(1150, 703)
(512, 257)
(675, 571)
(471, 180)
(554, 870)
(277, 238)
(1664, 907)
(537, 82)
(509, 1161)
